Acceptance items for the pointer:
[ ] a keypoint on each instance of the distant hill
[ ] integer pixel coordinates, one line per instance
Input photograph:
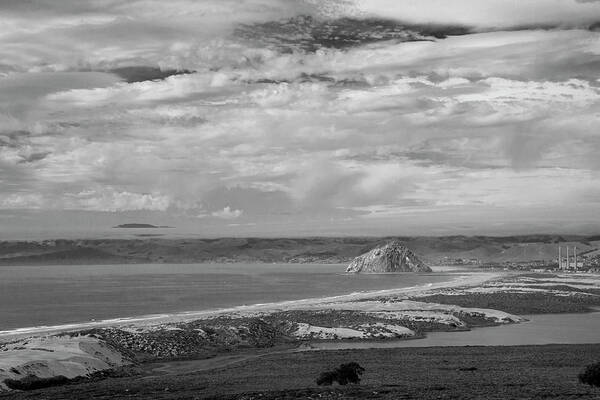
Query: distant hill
(79, 255)
(139, 226)
(431, 250)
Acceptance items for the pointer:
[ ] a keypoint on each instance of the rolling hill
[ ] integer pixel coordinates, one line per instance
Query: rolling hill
(432, 250)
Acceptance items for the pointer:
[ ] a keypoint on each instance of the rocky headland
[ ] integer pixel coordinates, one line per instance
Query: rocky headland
(391, 257)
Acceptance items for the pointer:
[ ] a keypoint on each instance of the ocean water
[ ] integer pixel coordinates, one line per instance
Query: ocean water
(54, 295)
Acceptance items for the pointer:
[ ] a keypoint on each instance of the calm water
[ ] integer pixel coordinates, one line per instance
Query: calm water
(52, 295)
(540, 329)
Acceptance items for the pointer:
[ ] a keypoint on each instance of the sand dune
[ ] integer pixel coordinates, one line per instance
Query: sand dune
(51, 356)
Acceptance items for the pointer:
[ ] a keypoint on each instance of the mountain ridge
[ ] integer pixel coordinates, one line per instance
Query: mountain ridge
(318, 250)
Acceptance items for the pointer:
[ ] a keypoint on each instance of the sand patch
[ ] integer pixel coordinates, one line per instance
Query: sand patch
(306, 331)
(51, 356)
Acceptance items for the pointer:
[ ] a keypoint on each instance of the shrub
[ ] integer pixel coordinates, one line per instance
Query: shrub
(344, 374)
(326, 378)
(591, 375)
(32, 382)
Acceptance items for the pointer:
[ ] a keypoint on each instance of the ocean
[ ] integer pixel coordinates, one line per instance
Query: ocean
(54, 295)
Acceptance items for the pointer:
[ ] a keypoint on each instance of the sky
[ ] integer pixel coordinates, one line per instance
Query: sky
(299, 117)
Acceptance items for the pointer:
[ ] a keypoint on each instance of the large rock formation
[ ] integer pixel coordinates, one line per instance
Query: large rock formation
(391, 257)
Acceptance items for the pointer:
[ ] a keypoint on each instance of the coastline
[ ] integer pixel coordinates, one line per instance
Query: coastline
(149, 320)
(405, 314)
(71, 351)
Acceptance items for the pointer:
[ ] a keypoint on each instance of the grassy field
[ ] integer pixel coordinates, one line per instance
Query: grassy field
(523, 372)
(521, 303)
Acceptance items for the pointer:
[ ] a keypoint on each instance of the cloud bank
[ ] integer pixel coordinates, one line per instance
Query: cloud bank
(302, 117)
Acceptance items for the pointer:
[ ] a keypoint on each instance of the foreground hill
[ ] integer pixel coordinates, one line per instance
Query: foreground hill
(432, 250)
(488, 372)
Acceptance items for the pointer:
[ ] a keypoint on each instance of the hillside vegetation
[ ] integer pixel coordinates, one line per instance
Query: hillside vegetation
(431, 250)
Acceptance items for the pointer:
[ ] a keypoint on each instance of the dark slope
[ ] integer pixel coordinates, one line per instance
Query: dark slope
(144, 73)
(311, 34)
(78, 255)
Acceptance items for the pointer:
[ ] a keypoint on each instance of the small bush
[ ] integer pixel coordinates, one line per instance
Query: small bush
(344, 374)
(32, 382)
(591, 375)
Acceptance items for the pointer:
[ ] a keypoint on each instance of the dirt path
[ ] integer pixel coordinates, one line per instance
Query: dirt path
(191, 366)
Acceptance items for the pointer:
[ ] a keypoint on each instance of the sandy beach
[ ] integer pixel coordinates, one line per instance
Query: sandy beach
(46, 351)
(152, 320)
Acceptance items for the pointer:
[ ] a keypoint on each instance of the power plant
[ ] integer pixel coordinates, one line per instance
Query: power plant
(567, 264)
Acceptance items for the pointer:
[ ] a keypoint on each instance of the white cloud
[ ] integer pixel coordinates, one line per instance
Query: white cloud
(228, 213)
(289, 138)
(112, 200)
(504, 92)
(22, 201)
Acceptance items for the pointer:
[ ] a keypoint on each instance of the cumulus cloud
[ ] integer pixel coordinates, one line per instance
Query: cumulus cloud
(22, 201)
(114, 200)
(227, 213)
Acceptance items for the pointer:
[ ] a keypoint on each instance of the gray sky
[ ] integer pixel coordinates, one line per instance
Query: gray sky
(283, 130)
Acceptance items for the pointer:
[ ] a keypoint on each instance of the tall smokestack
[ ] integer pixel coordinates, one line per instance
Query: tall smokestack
(567, 265)
(559, 259)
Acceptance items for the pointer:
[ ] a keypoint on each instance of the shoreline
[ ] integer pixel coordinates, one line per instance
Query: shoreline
(381, 316)
(464, 279)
